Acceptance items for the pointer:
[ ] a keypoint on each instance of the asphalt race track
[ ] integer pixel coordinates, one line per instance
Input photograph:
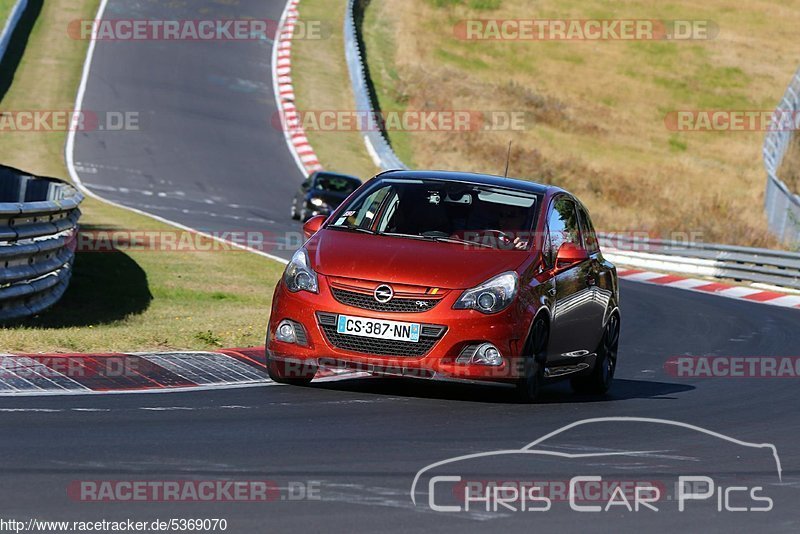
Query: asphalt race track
(206, 153)
(356, 445)
(362, 441)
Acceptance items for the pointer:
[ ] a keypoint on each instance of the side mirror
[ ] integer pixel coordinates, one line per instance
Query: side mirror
(313, 225)
(570, 254)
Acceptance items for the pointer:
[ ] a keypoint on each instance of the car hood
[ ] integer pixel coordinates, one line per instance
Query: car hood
(407, 261)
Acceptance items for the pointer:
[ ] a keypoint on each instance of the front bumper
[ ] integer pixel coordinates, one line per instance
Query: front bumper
(462, 328)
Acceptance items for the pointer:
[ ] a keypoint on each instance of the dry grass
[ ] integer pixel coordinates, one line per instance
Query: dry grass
(322, 83)
(789, 171)
(595, 110)
(132, 300)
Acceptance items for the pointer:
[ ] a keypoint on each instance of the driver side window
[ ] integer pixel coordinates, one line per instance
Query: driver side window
(562, 223)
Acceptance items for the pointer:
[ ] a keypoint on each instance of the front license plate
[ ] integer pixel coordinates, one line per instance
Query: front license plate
(379, 328)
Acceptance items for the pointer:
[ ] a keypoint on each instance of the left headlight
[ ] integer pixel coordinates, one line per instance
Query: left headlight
(318, 202)
(298, 275)
(492, 296)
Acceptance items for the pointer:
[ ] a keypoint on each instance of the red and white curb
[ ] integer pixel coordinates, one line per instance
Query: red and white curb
(751, 294)
(140, 372)
(290, 122)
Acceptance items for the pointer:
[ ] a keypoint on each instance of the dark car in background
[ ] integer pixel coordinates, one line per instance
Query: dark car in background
(321, 193)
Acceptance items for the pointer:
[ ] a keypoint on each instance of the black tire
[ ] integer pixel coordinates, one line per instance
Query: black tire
(290, 373)
(295, 215)
(529, 384)
(599, 380)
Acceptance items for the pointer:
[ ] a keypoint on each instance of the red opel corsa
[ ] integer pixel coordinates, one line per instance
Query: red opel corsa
(452, 276)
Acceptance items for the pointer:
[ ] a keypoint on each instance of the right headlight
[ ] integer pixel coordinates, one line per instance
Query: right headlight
(299, 276)
(492, 296)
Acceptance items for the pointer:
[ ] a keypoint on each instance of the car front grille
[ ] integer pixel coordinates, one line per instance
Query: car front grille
(429, 335)
(367, 301)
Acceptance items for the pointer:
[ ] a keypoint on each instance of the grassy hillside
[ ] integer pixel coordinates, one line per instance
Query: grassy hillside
(595, 111)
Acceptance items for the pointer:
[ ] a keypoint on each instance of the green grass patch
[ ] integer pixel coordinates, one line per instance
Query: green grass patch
(676, 144)
(5, 11)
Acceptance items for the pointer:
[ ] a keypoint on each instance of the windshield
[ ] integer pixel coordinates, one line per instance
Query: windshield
(474, 214)
(336, 184)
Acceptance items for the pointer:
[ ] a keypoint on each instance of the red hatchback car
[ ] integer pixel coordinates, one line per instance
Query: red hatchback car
(450, 276)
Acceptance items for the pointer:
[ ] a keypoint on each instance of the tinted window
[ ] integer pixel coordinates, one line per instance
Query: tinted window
(563, 226)
(589, 236)
(335, 183)
(485, 215)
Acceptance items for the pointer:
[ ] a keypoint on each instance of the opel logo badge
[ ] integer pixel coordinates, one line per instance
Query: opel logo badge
(383, 293)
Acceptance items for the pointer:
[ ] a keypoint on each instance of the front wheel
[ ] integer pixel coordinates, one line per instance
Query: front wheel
(295, 374)
(598, 382)
(529, 384)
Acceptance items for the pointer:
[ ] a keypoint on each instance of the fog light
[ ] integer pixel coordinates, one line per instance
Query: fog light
(285, 332)
(487, 354)
(484, 354)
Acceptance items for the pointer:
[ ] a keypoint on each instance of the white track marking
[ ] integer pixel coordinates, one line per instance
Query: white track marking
(689, 283)
(19, 374)
(206, 368)
(643, 277)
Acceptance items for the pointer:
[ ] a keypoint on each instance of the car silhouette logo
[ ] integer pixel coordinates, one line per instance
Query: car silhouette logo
(383, 293)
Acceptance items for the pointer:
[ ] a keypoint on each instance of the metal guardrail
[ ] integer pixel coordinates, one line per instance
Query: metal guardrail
(765, 266)
(38, 233)
(781, 204)
(772, 267)
(377, 144)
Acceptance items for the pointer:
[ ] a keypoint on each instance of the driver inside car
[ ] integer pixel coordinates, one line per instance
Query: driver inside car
(512, 224)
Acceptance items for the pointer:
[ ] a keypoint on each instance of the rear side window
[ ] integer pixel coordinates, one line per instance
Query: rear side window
(563, 226)
(589, 236)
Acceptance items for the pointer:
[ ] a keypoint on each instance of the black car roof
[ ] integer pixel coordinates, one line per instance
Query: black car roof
(337, 174)
(475, 178)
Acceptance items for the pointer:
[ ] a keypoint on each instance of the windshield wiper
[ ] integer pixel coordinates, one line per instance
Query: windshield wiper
(409, 236)
(461, 241)
(440, 239)
(351, 228)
